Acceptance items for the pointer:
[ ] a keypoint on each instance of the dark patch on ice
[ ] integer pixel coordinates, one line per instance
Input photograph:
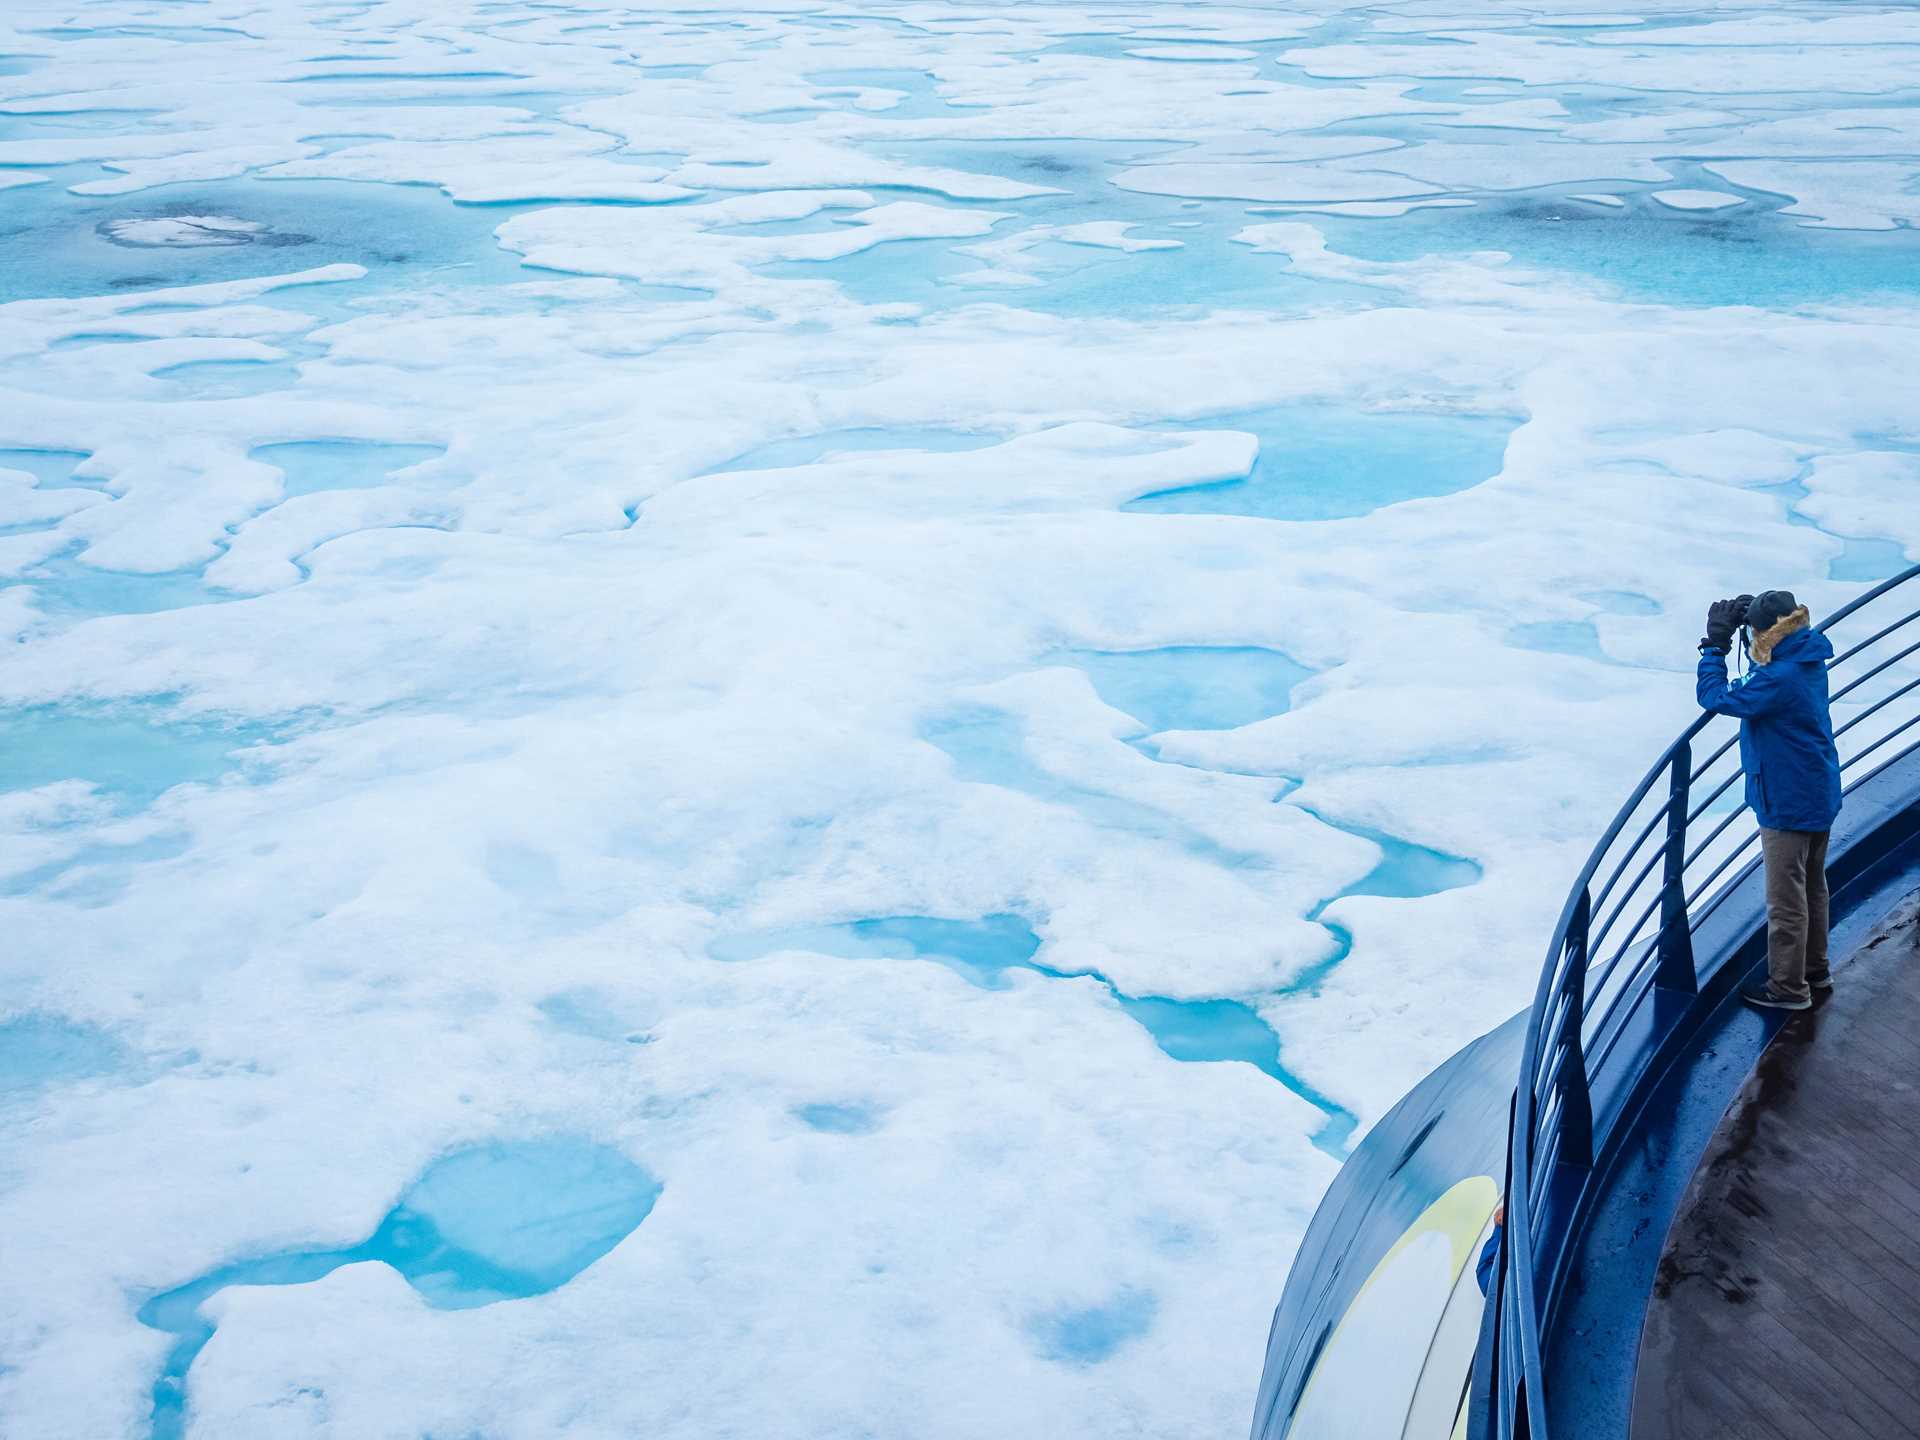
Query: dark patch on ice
(1087, 1335)
(851, 1118)
(833, 444)
(1621, 602)
(589, 1014)
(96, 874)
(39, 1050)
(81, 339)
(1558, 637)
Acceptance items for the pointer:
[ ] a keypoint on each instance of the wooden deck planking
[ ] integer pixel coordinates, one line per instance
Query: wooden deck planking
(1787, 1305)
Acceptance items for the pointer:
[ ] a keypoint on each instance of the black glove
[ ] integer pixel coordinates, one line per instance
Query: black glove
(1723, 618)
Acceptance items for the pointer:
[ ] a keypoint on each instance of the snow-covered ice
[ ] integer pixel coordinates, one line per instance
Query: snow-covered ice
(773, 720)
(166, 230)
(1697, 199)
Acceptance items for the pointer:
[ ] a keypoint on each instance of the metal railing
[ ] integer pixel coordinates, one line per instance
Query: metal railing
(1621, 961)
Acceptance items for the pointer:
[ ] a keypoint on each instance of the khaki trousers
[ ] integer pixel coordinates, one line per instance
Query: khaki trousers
(1796, 907)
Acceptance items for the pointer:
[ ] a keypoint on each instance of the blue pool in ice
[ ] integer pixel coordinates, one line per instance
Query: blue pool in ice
(55, 243)
(309, 465)
(494, 1222)
(1088, 1335)
(51, 469)
(1405, 870)
(1193, 687)
(1864, 558)
(1750, 255)
(66, 587)
(131, 756)
(1319, 463)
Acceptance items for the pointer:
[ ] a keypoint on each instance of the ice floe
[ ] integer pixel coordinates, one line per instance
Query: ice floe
(1707, 200)
(181, 230)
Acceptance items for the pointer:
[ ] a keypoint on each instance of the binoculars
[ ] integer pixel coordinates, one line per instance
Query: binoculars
(1746, 612)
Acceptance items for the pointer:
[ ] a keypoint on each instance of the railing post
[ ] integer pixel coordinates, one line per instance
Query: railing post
(1676, 970)
(1576, 1108)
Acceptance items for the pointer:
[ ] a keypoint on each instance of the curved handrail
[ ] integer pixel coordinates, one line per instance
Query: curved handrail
(1584, 998)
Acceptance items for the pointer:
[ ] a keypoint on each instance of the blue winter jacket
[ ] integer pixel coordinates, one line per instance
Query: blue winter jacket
(1786, 733)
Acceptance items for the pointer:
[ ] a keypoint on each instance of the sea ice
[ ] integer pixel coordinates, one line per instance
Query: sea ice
(983, 953)
(1868, 494)
(1848, 195)
(1216, 53)
(184, 230)
(1697, 199)
(975, 635)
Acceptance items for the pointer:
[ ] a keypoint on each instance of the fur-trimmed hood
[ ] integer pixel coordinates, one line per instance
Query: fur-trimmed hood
(1786, 732)
(1763, 644)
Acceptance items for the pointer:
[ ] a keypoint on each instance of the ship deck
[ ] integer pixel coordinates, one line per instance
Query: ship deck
(1787, 1301)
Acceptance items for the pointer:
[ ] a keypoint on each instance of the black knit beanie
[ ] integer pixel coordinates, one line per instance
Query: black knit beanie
(1769, 608)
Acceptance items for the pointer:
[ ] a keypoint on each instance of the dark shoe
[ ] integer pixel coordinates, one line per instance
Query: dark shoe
(1768, 998)
(1820, 979)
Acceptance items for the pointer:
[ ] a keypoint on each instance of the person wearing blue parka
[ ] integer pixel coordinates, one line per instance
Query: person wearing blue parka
(1793, 776)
